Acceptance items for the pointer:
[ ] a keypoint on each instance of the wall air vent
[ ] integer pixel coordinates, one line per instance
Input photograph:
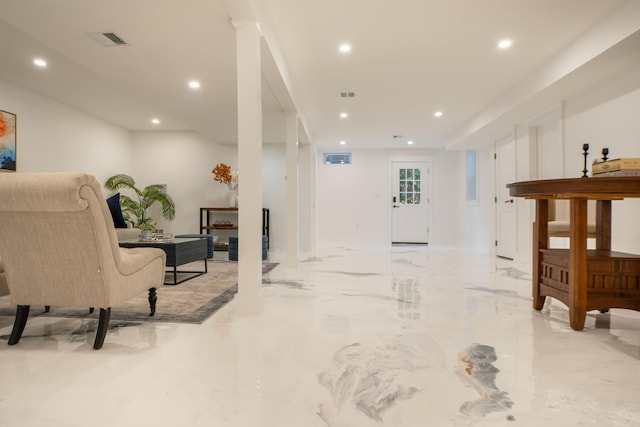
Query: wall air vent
(337, 158)
(108, 39)
(347, 94)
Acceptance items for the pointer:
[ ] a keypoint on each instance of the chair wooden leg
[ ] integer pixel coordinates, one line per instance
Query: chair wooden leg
(22, 312)
(103, 325)
(152, 301)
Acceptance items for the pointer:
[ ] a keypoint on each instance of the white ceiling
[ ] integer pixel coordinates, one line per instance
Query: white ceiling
(409, 58)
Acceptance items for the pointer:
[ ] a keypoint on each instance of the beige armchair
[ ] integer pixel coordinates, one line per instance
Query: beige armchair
(559, 218)
(4, 290)
(127, 233)
(58, 247)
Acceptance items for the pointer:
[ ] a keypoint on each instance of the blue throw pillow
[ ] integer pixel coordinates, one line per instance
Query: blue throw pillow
(116, 213)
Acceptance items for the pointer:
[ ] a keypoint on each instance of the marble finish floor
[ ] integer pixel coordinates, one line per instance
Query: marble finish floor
(397, 336)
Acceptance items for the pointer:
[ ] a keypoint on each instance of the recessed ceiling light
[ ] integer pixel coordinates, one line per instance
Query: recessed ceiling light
(410, 142)
(40, 62)
(344, 48)
(344, 115)
(155, 121)
(194, 84)
(438, 114)
(504, 44)
(343, 142)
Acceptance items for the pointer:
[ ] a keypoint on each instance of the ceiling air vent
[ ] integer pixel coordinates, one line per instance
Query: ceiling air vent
(337, 158)
(114, 38)
(108, 39)
(347, 94)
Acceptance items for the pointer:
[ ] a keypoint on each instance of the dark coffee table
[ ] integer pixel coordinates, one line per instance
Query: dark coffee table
(179, 251)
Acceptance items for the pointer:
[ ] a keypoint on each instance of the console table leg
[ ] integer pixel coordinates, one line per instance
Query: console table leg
(577, 318)
(540, 241)
(578, 264)
(603, 225)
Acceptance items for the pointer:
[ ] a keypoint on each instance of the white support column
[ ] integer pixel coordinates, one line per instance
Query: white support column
(307, 195)
(249, 167)
(292, 191)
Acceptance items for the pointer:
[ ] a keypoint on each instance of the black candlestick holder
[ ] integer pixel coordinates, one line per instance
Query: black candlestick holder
(585, 149)
(605, 153)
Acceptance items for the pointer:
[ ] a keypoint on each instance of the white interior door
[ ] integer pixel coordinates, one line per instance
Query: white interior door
(506, 207)
(410, 202)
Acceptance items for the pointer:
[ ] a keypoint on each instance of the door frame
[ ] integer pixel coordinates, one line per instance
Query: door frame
(408, 158)
(511, 136)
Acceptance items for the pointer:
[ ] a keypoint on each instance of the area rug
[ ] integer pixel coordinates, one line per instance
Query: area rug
(193, 301)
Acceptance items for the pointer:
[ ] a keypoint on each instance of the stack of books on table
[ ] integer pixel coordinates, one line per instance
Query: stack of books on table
(616, 167)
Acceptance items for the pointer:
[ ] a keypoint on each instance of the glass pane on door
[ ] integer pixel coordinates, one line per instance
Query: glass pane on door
(409, 186)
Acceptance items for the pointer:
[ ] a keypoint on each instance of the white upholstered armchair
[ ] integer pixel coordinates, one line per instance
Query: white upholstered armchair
(58, 247)
(559, 218)
(3, 282)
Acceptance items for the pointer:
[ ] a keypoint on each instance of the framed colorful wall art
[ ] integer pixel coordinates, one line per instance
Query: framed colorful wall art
(7, 141)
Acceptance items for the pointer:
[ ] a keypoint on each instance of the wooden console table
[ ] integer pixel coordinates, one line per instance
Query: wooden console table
(207, 227)
(582, 279)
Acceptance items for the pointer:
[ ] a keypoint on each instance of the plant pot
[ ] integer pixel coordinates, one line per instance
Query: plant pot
(145, 235)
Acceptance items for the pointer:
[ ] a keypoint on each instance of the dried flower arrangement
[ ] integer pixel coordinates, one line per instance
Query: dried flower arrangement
(222, 173)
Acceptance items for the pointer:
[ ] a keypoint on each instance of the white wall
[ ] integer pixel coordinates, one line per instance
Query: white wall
(445, 205)
(526, 169)
(613, 124)
(354, 201)
(476, 220)
(307, 167)
(52, 137)
(274, 197)
(184, 160)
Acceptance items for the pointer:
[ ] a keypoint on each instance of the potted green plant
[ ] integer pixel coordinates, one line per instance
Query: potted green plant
(146, 229)
(135, 211)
